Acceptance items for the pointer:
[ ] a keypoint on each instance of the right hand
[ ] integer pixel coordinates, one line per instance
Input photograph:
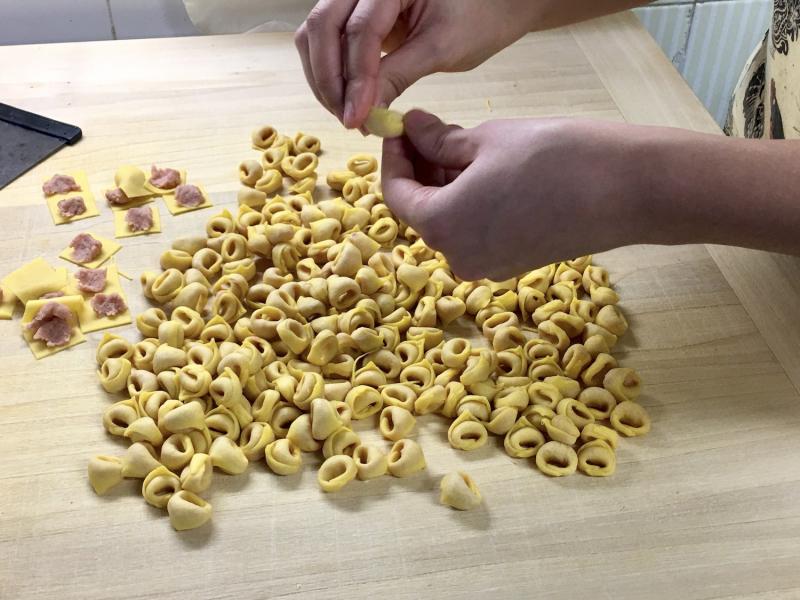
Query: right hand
(341, 41)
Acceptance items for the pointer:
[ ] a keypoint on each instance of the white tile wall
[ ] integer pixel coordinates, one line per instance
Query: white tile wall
(43, 21)
(721, 36)
(150, 19)
(29, 21)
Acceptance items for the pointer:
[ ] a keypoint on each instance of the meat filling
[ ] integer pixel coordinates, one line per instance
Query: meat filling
(60, 184)
(165, 179)
(71, 207)
(85, 248)
(91, 280)
(108, 305)
(53, 324)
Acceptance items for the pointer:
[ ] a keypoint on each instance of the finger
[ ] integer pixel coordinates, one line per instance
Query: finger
(404, 66)
(369, 24)
(448, 146)
(301, 43)
(325, 25)
(403, 194)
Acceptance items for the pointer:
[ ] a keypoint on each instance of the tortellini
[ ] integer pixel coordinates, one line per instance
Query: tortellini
(295, 322)
(459, 491)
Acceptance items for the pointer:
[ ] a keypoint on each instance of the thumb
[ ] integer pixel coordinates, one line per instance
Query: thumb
(447, 146)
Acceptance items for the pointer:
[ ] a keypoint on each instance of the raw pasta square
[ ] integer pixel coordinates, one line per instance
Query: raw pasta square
(176, 209)
(7, 304)
(162, 191)
(34, 279)
(40, 348)
(121, 227)
(110, 247)
(86, 193)
(89, 321)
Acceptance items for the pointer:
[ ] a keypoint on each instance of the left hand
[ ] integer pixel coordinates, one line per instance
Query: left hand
(509, 196)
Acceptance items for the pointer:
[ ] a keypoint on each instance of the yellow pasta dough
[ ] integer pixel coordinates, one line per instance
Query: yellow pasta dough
(8, 302)
(384, 123)
(109, 248)
(290, 320)
(458, 490)
(88, 318)
(121, 229)
(177, 209)
(86, 193)
(34, 279)
(133, 181)
(40, 348)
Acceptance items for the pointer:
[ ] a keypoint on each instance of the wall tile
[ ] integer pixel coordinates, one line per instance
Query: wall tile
(723, 36)
(150, 19)
(670, 26)
(43, 21)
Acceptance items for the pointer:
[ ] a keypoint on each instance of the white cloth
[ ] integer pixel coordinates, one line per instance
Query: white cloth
(245, 16)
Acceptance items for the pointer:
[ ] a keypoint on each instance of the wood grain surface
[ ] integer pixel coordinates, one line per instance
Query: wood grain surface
(706, 506)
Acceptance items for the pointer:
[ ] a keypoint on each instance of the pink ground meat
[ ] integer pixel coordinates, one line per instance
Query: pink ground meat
(91, 280)
(71, 207)
(60, 184)
(165, 179)
(108, 305)
(85, 248)
(117, 197)
(53, 324)
(139, 218)
(49, 295)
(189, 196)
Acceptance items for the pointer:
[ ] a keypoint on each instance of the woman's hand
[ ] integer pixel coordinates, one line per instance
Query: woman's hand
(509, 196)
(341, 41)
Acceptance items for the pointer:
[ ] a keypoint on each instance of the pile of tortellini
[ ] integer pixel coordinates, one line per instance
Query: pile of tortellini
(293, 318)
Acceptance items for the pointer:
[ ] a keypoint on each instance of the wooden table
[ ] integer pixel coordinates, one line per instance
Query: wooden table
(707, 506)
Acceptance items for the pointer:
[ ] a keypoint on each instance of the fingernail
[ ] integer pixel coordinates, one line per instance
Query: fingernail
(349, 115)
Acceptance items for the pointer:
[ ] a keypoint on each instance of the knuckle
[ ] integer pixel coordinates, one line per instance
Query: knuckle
(396, 83)
(301, 37)
(315, 20)
(358, 26)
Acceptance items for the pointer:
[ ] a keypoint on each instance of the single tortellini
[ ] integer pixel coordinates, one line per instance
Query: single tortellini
(283, 457)
(255, 437)
(597, 459)
(114, 373)
(370, 462)
(630, 419)
(523, 440)
(458, 490)
(364, 401)
(159, 486)
(105, 472)
(467, 432)
(227, 456)
(187, 510)
(561, 429)
(336, 472)
(197, 475)
(396, 423)
(556, 459)
(139, 459)
(406, 458)
(623, 383)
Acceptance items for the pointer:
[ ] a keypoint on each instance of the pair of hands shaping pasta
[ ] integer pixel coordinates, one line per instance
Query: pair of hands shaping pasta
(509, 196)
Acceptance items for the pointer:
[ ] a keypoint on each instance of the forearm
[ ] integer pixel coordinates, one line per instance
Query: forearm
(557, 13)
(698, 188)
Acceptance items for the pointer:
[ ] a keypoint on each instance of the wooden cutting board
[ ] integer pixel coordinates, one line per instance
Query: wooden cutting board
(706, 506)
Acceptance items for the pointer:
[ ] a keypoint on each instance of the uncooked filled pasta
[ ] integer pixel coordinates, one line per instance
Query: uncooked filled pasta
(294, 323)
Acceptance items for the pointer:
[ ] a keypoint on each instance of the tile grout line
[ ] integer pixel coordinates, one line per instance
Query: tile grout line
(111, 20)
